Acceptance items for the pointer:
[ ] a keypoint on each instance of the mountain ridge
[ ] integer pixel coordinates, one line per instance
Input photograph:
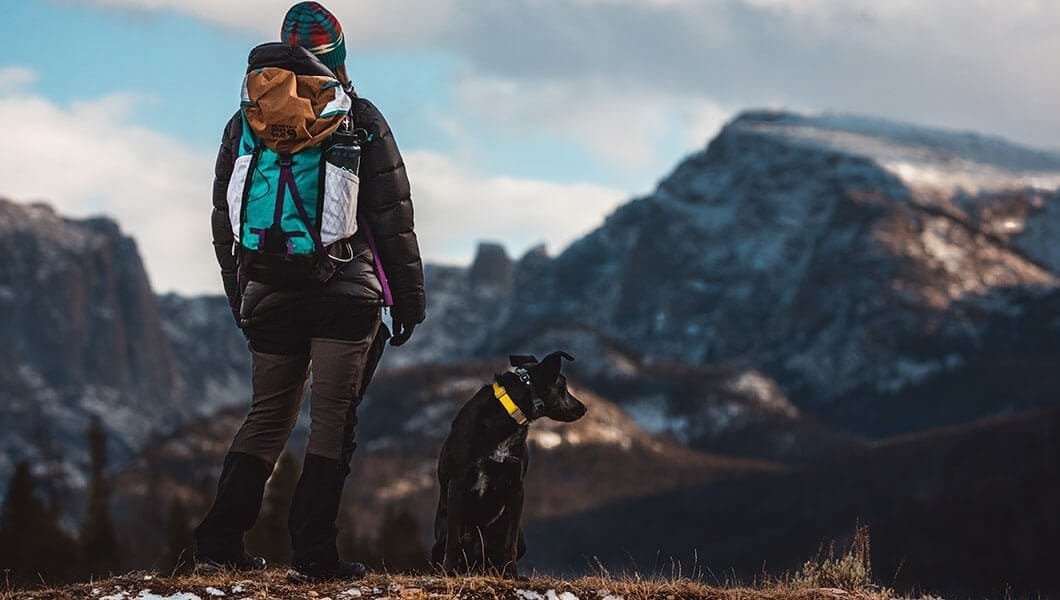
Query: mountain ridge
(790, 258)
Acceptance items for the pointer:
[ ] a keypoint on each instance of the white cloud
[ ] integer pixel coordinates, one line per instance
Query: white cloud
(456, 207)
(393, 23)
(954, 63)
(625, 130)
(88, 158)
(15, 77)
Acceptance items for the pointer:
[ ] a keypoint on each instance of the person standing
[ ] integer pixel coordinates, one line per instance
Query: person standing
(308, 282)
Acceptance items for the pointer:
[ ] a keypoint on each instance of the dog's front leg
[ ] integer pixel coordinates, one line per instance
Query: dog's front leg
(454, 523)
(513, 510)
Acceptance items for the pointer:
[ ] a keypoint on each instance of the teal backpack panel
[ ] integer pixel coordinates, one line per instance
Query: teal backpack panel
(267, 201)
(268, 198)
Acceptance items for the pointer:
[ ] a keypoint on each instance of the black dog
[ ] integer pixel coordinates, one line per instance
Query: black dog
(483, 462)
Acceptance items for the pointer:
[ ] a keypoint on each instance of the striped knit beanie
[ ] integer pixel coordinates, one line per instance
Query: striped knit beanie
(313, 27)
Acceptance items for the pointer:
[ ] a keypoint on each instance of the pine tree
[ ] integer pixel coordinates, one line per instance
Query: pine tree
(269, 538)
(50, 464)
(400, 546)
(180, 540)
(99, 544)
(32, 544)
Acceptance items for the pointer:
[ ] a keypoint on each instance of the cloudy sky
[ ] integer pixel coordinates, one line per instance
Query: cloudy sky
(522, 121)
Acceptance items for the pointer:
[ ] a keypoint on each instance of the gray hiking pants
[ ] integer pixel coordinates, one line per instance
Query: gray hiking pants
(338, 369)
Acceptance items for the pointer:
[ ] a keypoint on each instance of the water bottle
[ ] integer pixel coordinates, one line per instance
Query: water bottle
(345, 150)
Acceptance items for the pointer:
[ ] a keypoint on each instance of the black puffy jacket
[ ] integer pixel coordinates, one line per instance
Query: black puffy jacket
(384, 202)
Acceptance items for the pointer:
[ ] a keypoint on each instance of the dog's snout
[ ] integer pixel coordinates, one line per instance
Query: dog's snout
(571, 409)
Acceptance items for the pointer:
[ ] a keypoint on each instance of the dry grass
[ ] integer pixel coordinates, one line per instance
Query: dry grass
(850, 571)
(273, 584)
(845, 577)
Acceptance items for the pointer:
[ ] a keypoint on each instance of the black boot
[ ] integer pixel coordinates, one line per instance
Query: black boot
(219, 538)
(314, 509)
(243, 563)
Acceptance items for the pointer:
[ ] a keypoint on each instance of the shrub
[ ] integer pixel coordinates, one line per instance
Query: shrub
(851, 571)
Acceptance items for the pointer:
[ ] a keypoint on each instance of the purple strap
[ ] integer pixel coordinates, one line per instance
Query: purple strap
(388, 297)
(287, 181)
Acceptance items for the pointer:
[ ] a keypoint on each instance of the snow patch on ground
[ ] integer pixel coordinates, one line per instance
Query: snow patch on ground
(147, 595)
(549, 595)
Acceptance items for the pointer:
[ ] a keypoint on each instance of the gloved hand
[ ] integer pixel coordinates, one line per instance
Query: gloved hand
(240, 323)
(402, 332)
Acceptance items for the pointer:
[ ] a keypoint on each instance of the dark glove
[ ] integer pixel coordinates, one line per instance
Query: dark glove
(240, 323)
(402, 332)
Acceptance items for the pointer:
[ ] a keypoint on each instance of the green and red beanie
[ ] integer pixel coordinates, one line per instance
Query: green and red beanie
(313, 27)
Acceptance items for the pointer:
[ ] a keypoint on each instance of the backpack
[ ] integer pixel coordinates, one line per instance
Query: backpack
(293, 191)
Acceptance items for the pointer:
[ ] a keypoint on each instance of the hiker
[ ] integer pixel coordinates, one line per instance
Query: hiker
(313, 231)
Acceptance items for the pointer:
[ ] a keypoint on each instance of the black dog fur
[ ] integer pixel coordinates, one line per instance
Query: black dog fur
(482, 465)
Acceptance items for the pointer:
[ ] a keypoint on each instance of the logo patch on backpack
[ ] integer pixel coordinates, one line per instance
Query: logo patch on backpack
(282, 132)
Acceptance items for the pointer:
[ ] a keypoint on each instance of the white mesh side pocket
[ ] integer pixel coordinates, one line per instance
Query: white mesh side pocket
(339, 218)
(234, 195)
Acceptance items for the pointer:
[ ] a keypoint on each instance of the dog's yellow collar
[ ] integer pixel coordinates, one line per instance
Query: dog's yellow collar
(506, 401)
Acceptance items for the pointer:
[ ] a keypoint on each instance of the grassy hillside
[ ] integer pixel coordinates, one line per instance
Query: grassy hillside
(832, 576)
(966, 510)
(273, 584)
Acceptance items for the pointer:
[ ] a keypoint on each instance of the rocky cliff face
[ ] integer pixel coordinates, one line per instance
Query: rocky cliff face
(85, 336)
(82, 337)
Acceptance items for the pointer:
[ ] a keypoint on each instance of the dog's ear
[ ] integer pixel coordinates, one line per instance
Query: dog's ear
(521, 360)
(548, 369)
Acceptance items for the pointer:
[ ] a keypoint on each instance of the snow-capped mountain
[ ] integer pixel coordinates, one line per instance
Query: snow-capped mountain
(840, 256)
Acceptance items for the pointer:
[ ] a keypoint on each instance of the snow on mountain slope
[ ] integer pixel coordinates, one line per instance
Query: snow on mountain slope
(805, 247)
(936, 159)
(971, 177)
